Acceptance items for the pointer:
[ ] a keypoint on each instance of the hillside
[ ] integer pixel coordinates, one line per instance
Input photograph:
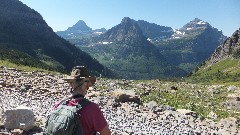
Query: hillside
(223, 65)
(190, 45)
(125, 50)
(25, 38)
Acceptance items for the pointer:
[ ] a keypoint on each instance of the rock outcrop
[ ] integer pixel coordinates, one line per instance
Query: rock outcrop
(21, 117)
(230, 48)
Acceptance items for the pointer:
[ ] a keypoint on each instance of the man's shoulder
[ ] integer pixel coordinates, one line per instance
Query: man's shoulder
(90, 104)
(94, 107)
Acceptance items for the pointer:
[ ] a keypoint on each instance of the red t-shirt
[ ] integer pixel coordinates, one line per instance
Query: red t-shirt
(91, 117)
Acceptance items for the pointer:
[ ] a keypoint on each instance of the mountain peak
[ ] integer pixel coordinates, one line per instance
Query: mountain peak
(192, 28)
(197, 20)
(127, 31)
(80, 26)
(127, 20)
(196, 23)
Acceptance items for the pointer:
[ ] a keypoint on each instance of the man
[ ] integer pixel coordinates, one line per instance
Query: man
(91, 117)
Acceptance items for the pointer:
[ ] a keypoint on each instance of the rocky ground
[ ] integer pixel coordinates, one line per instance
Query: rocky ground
(120, 104)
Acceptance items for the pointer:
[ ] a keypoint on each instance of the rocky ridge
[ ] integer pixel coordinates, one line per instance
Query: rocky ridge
(228, 49)
(116, 98)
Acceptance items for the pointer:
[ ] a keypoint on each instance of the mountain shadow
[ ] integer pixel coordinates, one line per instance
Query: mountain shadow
(25, 38)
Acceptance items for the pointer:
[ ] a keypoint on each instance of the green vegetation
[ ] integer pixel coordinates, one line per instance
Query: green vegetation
(9, 64)
(133, 62)
(225, 71)
(179, 52)
(21, 58)
(200, 98)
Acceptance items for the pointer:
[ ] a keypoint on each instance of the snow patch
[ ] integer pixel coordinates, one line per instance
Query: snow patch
(201, 22)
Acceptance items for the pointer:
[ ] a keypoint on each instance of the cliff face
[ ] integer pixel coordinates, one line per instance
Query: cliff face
(154, 31)
(230, 48)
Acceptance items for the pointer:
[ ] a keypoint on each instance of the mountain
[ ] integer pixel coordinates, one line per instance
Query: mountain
(125, 50)
(190, 45)
(126, 32)
(185, 48)
(25, 38)
(80, 30)
(80, 26)
(154, 31)
(77, 30)
(223, 65)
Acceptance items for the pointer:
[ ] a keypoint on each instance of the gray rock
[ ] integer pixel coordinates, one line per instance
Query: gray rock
(151, 104)
(19, 118)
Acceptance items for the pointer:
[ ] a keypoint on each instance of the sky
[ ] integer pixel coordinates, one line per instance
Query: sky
(61, 14)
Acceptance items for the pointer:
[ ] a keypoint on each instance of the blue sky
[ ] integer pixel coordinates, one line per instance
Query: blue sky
(61, 14)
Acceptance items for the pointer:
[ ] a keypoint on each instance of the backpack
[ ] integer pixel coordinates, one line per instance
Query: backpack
(64, 120)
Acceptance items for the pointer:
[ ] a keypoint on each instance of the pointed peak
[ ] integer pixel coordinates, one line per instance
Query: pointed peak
(197, 20)
(81, 22)
(127, 20)
(196, 23)
(80, 25)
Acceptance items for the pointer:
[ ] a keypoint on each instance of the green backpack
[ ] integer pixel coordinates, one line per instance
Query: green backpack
(64, 120)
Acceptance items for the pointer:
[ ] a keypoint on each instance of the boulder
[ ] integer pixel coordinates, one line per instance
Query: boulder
(21, 117)
(125, 96)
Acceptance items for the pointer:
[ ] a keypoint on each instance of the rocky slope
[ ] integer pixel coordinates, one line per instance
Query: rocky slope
(119, 100)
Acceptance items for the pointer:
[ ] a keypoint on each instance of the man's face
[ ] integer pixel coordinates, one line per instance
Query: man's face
(79, 85)
(76, 83)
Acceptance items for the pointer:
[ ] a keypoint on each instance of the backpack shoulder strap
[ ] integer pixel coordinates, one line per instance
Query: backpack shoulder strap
(84, 102)
(64, 100)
